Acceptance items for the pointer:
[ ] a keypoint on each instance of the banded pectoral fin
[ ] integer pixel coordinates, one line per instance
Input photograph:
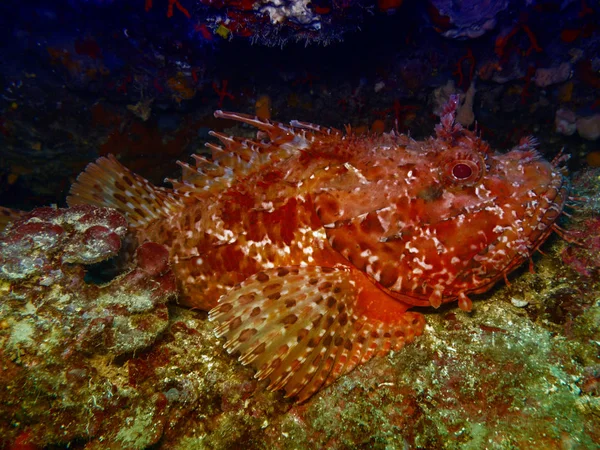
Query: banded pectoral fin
(303, 327)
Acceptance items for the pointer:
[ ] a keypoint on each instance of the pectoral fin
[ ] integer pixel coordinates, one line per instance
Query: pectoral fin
(303, 327)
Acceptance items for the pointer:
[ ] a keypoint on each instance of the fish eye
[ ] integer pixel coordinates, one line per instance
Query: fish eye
(461, 171)
(460, 167)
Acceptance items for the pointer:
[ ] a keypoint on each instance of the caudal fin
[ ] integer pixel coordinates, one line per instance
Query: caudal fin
(107, 182)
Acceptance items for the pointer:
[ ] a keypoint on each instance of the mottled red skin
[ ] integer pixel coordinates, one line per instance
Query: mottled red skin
(349, 194)
(417, 222)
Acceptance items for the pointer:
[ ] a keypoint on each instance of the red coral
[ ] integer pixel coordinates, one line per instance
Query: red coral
(179, 6)
(504, 39)
(222, 91)
(48, 237)
(149, 3)
(469, 59)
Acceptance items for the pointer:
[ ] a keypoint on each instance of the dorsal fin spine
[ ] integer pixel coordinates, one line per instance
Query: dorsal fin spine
(261, 124)
(186, 166)
(224, 138)
(200, 160)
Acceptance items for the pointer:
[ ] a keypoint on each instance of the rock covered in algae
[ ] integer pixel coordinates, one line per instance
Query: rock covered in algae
(58, 332)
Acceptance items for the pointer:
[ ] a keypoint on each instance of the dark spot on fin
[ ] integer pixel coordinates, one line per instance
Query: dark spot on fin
(107, 182)
(297, 340)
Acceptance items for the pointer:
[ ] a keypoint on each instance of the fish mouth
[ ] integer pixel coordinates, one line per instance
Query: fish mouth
(517, 243)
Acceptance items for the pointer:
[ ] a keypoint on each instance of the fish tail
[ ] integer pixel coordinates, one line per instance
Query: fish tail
(107, 182)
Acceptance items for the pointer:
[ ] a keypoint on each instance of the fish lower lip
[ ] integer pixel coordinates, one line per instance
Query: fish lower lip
(540, 226)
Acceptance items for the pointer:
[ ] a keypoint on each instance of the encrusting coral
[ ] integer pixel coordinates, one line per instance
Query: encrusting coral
(56, 329)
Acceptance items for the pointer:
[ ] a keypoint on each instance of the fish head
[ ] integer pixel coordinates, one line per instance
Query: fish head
(433, 221)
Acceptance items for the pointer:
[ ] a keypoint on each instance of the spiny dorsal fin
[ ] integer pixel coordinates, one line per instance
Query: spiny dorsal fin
(299, 327)
(107, 182)
(237, 158)
(211, 177)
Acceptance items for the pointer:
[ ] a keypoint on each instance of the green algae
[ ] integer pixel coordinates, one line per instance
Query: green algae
(135, 433)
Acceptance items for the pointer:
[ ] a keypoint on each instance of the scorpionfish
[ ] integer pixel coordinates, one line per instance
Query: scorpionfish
(308, 246)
